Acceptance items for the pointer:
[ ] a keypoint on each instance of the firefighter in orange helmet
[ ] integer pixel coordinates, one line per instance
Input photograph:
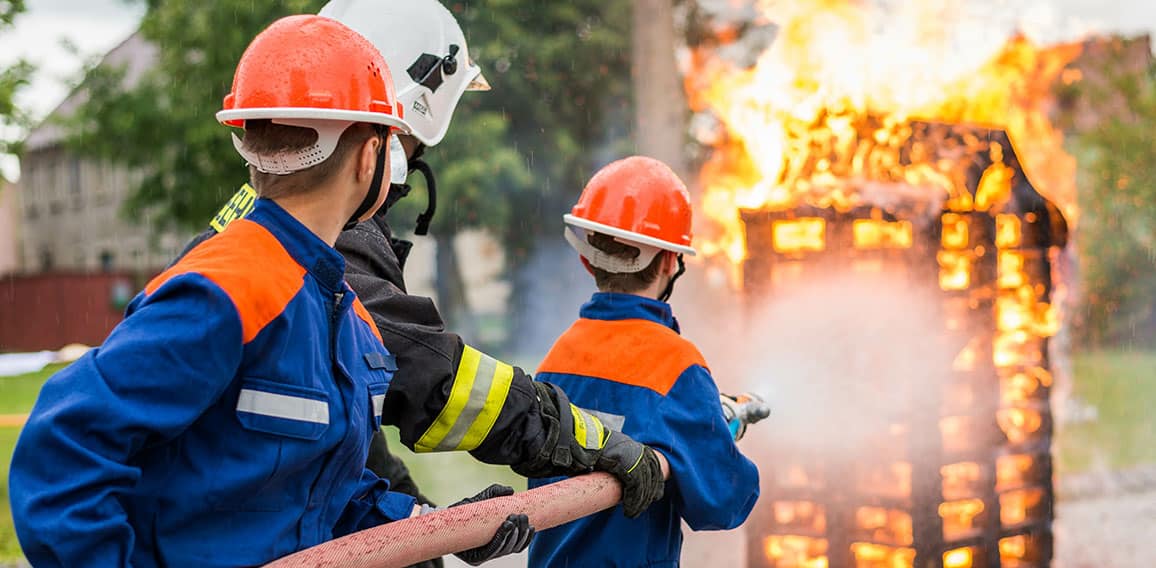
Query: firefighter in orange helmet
(212, 427)
(447, 395)
(626, 363)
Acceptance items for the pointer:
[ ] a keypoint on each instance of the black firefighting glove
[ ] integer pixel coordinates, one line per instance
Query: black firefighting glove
(636, 467)
(512, 537)
(577, 442)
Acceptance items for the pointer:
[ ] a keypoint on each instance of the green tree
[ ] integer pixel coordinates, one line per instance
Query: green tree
(561, 77)
(514, 158)
(12, 79)
(1117, 237)
(164, 124)
(478, 173)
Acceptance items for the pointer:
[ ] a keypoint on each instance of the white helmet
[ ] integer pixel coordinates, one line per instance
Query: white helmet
(426, 49)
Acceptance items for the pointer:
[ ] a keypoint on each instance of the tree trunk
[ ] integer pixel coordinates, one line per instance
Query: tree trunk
(453, 303)
(659, 102)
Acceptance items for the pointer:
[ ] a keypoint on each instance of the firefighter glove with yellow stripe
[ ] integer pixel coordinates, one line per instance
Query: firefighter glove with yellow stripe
(578, 442)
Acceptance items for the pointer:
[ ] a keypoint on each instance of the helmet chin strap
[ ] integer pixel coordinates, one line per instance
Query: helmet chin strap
(665, 296)
(431, 188)
(374, 185)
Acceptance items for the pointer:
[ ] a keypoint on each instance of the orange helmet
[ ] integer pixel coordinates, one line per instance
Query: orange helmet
(313, 72)
(640, 202)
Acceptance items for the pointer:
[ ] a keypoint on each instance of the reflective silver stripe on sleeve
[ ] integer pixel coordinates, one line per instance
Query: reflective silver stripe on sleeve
(479, 392)
(593, 436)
(613, 421)
(378, 404)
(283, 406)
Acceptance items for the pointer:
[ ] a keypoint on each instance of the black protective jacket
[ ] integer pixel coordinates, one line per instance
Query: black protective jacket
(444, 395)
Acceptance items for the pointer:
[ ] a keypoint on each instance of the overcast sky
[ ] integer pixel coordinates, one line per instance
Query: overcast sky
(95, 26)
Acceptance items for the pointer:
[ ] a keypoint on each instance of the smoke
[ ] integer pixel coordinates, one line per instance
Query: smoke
(553, 286)
(839, 359)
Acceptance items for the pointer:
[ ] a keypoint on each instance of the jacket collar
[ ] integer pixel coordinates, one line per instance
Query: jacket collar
(322, 261)
(613, 306)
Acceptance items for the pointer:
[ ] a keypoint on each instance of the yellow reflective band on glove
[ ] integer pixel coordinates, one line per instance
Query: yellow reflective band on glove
(476, 399)
(238, 207)
(588, 429)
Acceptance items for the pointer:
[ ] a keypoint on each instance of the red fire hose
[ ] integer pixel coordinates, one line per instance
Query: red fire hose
(402, 543)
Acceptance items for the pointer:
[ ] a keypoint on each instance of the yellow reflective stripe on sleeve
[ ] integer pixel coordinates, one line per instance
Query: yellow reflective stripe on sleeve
(588, 430)
(479, 392)
(238, 207)
(579, 426)
(495, 401)
(599, 432)
(459, 396)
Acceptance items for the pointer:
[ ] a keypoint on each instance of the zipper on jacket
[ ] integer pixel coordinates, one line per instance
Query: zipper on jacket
(327, 489)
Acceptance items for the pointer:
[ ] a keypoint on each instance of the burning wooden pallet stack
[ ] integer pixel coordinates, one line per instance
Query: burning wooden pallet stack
(880, 138)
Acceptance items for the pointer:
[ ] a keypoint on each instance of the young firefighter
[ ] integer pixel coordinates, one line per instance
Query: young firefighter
(226, 421)
(625, 362)
(447, 395)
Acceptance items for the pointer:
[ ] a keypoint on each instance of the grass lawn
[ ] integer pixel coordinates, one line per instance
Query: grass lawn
(17, 395)
(1122, 388)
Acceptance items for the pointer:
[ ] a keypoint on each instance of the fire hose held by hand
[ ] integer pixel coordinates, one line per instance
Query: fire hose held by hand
(578, 443)
(464, 527)
(743, 410)
(512, 536)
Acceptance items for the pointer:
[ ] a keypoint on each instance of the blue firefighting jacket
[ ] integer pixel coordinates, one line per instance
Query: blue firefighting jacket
(225, 422)
(625, 362)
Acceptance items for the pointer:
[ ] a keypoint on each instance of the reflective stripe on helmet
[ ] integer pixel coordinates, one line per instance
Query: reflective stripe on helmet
(476, 398)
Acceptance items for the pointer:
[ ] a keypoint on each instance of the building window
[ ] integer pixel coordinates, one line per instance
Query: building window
(55, 208)
(32, 213)
(46, 260)
(106, 261)
(75, 177)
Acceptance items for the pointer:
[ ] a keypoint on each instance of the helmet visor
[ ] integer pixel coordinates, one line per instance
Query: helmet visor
(398, 164)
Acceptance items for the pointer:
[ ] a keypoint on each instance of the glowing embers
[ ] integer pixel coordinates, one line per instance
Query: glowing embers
(877, 524)
(879, 234)
(1022, 505)
(955, 231)
(869, 555)
(806, 234)
(1008, 231)
(1016, 471)
(1021, 424)
(962, 519)
(1029, 384)
(961, 558)
(796, 551)
(800, 517)
(961, 480)
(1011, 269)
(954, 270)
(1022, 551)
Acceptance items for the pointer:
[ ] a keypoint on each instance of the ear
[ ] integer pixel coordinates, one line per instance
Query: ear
(669, 263)
(367, 159)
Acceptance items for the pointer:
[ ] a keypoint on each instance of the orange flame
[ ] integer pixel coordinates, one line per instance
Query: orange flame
(836, 63)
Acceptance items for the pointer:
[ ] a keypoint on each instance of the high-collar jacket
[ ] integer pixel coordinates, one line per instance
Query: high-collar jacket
(225, 422)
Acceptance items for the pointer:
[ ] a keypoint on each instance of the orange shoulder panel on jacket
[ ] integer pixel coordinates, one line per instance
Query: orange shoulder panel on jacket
(363, 313)
(632, 352)
(251, 266)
